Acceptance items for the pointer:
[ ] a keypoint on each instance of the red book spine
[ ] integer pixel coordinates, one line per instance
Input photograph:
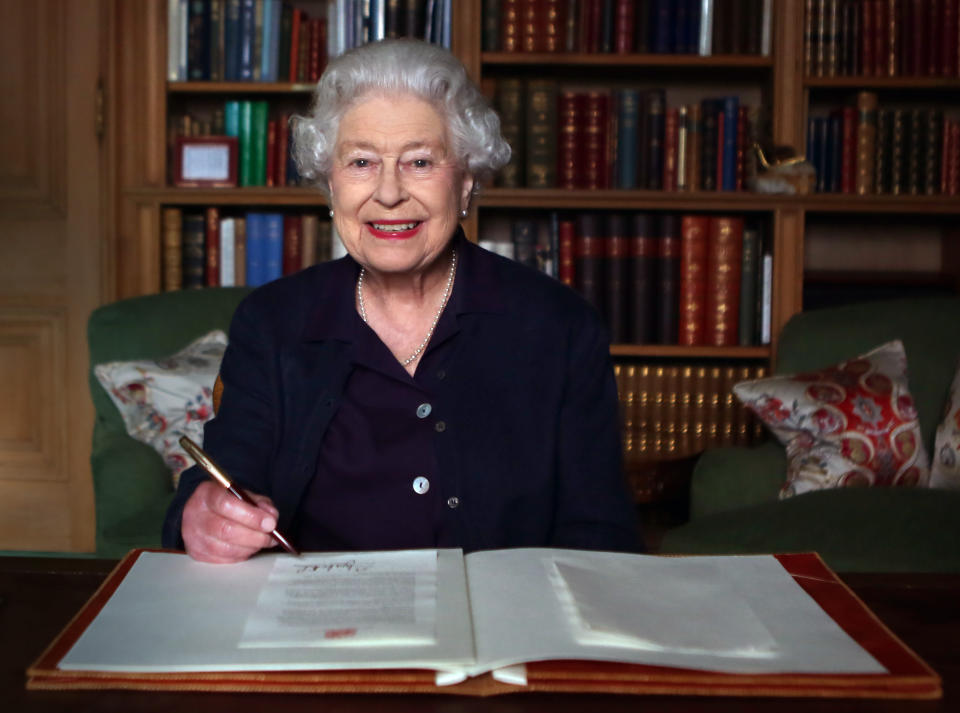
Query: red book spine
(272, 153)
(292, 244)
(720, 129)
(670, 128)
(566, 249)
(693, 279)
(283, 148)
(595, 153)
(624, 26)
(848, 156)
(554, 24)
(867, 38)
(531, 30)
(618, 248)
(742, 122)
(510, 25)
(212, 248)
(722, 311)
(570, 173)
(295, 20)
(313, 66)
(591, 17)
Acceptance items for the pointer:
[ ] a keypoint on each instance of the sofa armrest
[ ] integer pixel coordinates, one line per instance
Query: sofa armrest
(132, 489)
(730, 478)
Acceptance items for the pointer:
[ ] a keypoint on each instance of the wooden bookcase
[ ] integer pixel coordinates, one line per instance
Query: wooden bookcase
(145, 95)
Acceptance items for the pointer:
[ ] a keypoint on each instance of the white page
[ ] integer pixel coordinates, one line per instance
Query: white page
(172, 613)
(357, 599)
(518, 616)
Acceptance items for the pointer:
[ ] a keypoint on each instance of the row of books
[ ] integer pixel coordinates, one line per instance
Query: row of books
(263, 141)
(203, 248)
(704, 27)
(655, 278)
(674, 410)
(867, 150)
(278, 41)
(624, 138)
(882, 38)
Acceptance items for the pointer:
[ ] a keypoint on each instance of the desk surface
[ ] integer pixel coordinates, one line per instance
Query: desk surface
(38, 596)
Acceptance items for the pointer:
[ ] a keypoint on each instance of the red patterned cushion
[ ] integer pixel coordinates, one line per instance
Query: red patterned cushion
(945, 469)
(853, 424)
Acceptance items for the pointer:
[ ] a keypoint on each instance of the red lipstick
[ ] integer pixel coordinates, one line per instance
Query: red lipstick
(394, 234)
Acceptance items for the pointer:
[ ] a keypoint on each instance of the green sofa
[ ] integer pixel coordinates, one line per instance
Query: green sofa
(734, 507)
(132, 486)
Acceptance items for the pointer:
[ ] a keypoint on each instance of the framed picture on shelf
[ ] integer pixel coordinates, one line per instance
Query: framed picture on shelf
(205, 162)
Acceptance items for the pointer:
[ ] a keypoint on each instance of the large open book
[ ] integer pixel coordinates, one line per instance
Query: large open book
(487, 622)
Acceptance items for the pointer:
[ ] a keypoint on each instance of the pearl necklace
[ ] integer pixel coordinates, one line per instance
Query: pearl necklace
(436, 318)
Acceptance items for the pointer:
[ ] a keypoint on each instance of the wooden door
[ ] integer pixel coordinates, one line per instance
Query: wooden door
(51, 219)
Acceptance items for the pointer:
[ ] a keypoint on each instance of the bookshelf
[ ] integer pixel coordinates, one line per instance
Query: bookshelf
(788, 94)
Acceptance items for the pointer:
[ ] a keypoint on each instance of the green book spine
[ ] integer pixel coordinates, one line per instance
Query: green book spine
(749, 260)
(541, 137)
(286, 28)
(217, 38)
(258, 144)
(231, 118)
(245, 141)
(510, 101)
(491, 25)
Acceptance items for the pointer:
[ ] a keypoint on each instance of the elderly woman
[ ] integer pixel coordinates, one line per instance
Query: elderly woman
(420, 392)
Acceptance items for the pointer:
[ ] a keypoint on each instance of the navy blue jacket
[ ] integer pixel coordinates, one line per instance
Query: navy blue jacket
(531, 448)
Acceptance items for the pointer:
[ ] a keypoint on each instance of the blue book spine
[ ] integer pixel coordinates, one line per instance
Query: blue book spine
(276, 12)
(231, 41)
(731, 108)
(247, 26)
(663, 31)
(692, 45)
(256, 249)
(628, 120)
(273, 246)
(265, 32)
(231, 117)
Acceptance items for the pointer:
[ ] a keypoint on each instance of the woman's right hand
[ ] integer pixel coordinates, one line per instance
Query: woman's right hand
(217, 527)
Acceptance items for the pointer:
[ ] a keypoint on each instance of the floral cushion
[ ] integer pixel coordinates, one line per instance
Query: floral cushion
(945, 468)
(164, 399)
(853, 424)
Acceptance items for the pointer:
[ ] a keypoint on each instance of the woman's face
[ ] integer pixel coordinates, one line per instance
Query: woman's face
(395, 187)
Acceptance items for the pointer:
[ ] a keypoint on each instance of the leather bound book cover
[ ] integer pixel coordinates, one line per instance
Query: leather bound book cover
(953, 175)
(932, 134)
(898, 148)
(670, 128)
(292, 244)
(844, 39)
(820, 44)
(628, 119)
(524, 236)
(570, 161)
(661, 20)
(891, 42)
(740, 157)
(884, 150)
(809, 37)
(616, 282)
(596, 164)
(510, 100)
(211, 277)
(589, 265)
(834, 153)
(623, 26)
(198, 41)
(607, 25)
(510, 26)
(531, 26)
(642, 23)
(728, 406)
(541, 139)
(553, 25)
(303, 50)
(694, 146)
(914, 150)
(710, 110)
(832, 38)
(491, 25)
(270, 174)
(933, 40)
(591, 17)
(194, 243)
(950, 42)
(172, 249)
(643, 403)
(749, 266)
(868, 36)
(751, 18)
(643, 278)
(727, 146)
(668, 280)
(308, 240)
(655, 106)
(722, 301)
(566, 252)
(866, 142)
(881, 35)
(848, 159)
(918, 38)
(694, 246)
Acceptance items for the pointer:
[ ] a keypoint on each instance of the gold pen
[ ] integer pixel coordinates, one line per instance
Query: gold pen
(206, 462)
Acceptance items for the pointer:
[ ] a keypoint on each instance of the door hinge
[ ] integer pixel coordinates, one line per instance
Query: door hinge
(100, 115)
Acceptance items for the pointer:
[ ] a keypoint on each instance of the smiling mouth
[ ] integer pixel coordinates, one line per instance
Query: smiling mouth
(395, 227)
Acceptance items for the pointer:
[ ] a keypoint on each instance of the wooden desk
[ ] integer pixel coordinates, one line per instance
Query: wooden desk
(40, 595)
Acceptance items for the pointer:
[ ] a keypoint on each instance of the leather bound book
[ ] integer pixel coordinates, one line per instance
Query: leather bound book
(623, 26)
(868, 37)
(510, 23)
(809, 37)
(680, 28)
(866, 142)
(721, 120)
(566, 252)
(655, 105)
(918, 38)
(616, 281)
(720, 41)
(324, 240)
(217, 44)
(950, 39)
(198, 40)
(628, 118)
(524, 236)
(670, 410)
(820, 43)
(589, 265)
(953, 172)
(571, 26)
(749, 266)
(898, 152)
(832, 38)
(270, 175)
(709, 110)
(194, 242)
(670, 127)
(933, 39)
(724, 257)
(945, 143)
(282, 149)
(643, 279)
(393, 19)
(596, 164)
(510, 100)
(627, 391)
(881, 35)
(891, 43)
(884, 150)
(658, 394)
(914, 150)
(848, 140)
(856, 31)
(231, 41)
(694, 248)
(740, 142)
(731, 111)
(308, 240)
(258, 144)
(834, 153)
(554, 23)
(541, 139)
(531, 26)
(844, 38)
(641, 27)
(643, 404)
(570, 143)
(212, 247)
(668, 279)
(932, 133)
(699, 399)
(682, 148)
(303, 50)
(491, 25)
(685, 411)
(728, 406)
(172, 249)
(292, 244)
(694, 146)
(754, 20)
(607, 22)
(591, 17)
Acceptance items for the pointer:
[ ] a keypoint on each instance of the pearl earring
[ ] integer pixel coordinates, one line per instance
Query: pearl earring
(331, 212)
(464, 213)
